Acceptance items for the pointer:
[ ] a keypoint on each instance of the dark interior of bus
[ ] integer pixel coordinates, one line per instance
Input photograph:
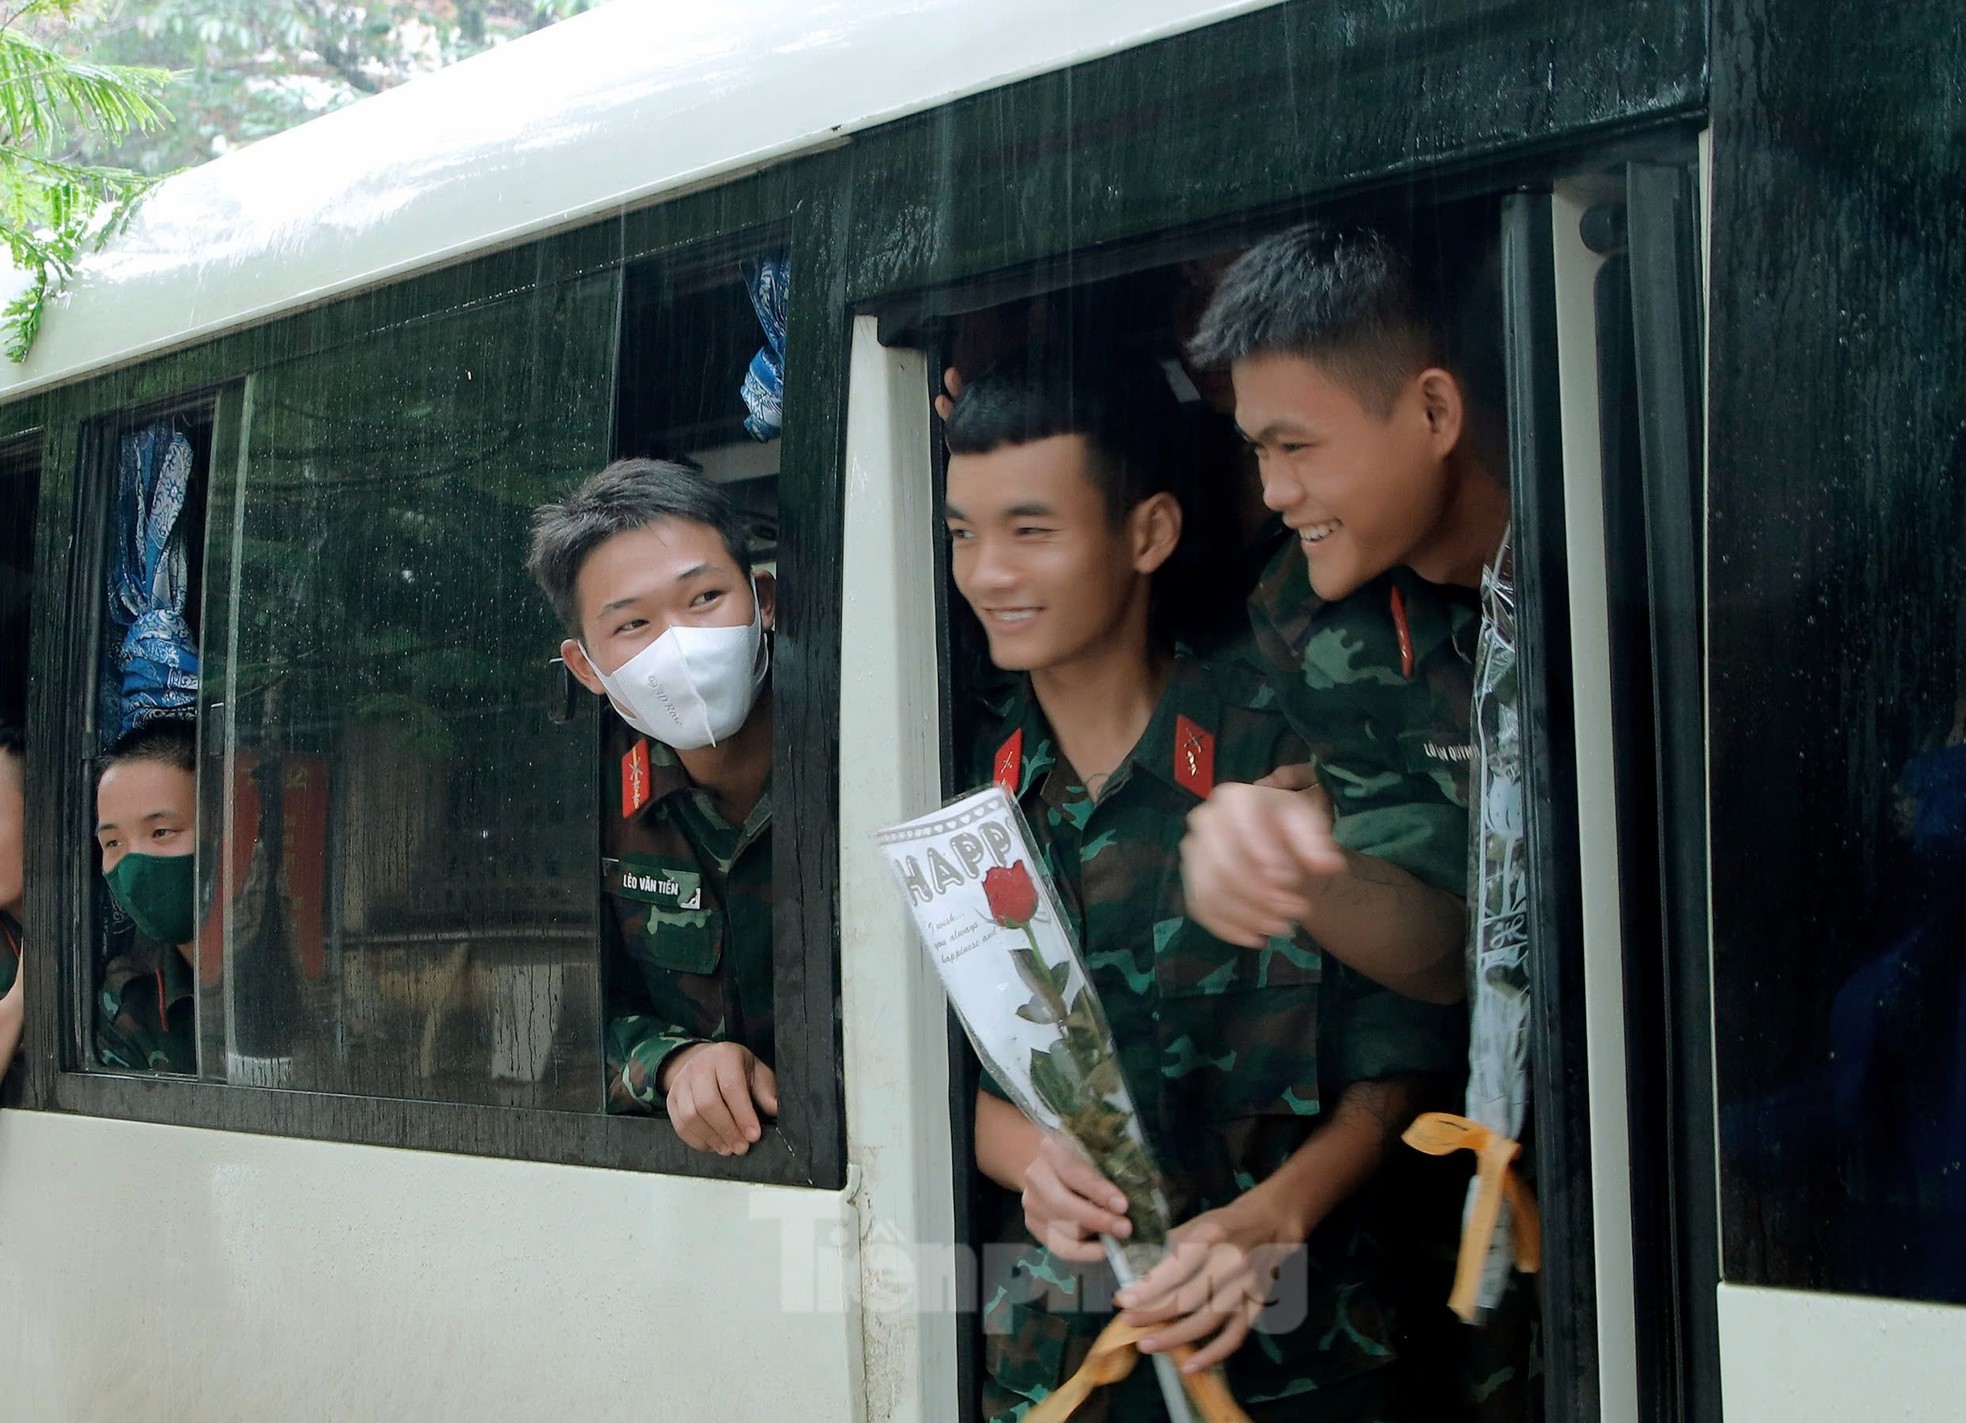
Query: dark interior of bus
(689, 335)
(20, 491)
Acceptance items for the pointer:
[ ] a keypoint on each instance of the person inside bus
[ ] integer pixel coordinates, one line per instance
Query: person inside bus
(147, 831)
(13, 886)
(1370, 404)
(1268, 1093)
(647, 567)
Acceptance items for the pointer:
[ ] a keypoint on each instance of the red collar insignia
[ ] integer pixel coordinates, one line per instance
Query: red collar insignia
(635, 779)
(1194, 757)
(1009, 767)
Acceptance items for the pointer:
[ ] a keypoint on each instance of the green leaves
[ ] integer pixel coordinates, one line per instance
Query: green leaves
(54, 211)
(1078, 1077)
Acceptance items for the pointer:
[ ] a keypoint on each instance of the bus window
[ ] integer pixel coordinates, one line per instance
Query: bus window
(396, 829)
(144, 1004)
(1215, 1143)
(671, 616)
(1840, 1039)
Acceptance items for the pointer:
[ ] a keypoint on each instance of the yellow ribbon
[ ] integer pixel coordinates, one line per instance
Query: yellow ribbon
(1112, 1359)
(1441, 1134)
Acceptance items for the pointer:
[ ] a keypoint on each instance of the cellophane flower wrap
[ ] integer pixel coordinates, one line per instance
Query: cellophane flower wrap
(1006, 956)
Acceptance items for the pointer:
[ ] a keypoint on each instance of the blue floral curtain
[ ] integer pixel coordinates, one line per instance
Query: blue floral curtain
(151, 658)
(764, 382)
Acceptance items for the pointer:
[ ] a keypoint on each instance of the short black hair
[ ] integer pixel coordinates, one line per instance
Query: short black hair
(1120, 404)
(1344, 297)
(13, 743)
(628, 495)
(171, 740)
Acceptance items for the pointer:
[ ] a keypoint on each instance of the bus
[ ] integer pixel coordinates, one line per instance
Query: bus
(1720, 245)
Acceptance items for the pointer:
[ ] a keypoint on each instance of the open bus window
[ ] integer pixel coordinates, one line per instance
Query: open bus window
(1213, 1132)
(670, 615)
(144, 1010)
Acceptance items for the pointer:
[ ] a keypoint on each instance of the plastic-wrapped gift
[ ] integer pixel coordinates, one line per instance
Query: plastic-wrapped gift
(990, 921)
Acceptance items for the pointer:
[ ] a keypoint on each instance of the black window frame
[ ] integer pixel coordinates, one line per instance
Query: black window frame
(806, 1147)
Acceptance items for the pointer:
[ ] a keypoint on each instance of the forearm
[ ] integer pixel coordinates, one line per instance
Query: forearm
(1006, 1141)
(1392, 927)
(1340, 1157)
(640, 1050)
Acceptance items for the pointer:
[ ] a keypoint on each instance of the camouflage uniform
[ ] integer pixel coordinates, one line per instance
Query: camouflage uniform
(1395, 754)
(1228, 1053)
(688, 953)
(1394, 745)
(10, 948)
(10, 951)
(145, 1018)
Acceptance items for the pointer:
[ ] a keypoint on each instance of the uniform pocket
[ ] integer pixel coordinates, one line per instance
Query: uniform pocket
(1440, 758)
(1238, 1027)
(1028, 1328)
(669, 919)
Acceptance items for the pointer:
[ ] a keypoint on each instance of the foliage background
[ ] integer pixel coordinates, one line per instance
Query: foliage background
(246, 68)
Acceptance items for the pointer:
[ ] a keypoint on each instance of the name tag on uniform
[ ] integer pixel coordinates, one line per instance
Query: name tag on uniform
(669, 888)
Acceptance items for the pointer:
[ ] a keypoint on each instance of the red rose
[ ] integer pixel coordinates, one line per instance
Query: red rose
(1012, 894)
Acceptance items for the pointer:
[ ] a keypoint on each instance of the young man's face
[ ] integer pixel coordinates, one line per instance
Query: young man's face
(1047, 572)
(639, 584)
(1361, 491)
(147, 807)
(13, 833)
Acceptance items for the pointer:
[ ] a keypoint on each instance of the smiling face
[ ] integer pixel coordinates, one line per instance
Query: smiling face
(1052, 577)
(1363, 491)
(637, 585)
(150, 807)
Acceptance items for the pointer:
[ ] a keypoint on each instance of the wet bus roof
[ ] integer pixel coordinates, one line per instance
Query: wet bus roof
(602, 111)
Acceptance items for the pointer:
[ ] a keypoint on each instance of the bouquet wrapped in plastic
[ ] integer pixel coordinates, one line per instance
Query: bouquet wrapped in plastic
(1006, 957)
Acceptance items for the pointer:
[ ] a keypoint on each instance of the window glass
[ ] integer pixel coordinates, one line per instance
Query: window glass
(396, 825)
(1839, 999)
(20, 485)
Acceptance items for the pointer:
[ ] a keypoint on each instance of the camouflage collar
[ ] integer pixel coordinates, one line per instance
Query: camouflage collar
(1176, 748)
(1285, 599)
(161, 962)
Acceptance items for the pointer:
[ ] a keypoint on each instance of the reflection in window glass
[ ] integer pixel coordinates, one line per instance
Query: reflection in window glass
(1841, 1010)
(395, 827)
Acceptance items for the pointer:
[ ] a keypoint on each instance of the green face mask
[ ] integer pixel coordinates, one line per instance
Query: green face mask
(156, 891)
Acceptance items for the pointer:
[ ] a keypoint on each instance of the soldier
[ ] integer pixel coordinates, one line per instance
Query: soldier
(1268, 1085)
(647, 567)
(147, 830)
(1375, 444)
(13, 834)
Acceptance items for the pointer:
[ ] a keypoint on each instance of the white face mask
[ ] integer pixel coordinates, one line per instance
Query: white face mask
(693, 686)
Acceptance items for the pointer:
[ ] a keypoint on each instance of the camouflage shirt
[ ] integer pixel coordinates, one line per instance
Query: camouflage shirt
(688, 951)
(1380, 683)
(145, 1017)
(10, 952)
(1229, 1054)
(10, 949)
